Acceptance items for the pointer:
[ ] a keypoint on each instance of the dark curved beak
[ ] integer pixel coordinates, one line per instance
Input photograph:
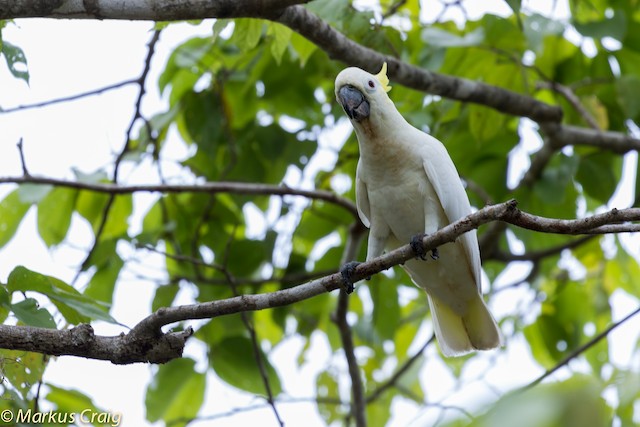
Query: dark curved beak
(353, 102)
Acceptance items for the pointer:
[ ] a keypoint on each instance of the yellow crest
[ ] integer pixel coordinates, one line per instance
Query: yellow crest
(383, 79)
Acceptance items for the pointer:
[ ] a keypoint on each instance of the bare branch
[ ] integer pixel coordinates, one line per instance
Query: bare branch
(206, 187)
(23, 163)
(147, 343)
(137, 114)
(392, 381)
(68, 98)
(81, 341)
(141, 9)
(358, 404)
(341, 48)
(566, 135)
(573, 99)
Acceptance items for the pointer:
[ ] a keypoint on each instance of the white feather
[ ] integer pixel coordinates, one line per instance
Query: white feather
(407, 184)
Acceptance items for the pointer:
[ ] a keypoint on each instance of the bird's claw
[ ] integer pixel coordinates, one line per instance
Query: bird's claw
(418, 248)
(347, 271)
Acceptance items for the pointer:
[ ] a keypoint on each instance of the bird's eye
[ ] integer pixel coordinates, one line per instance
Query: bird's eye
(370, 85)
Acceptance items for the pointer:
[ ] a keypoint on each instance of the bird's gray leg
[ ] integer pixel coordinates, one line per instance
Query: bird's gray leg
(375, 247)
(430, 226)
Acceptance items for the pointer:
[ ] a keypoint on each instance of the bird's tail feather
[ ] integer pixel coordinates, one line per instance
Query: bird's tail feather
(458, 335)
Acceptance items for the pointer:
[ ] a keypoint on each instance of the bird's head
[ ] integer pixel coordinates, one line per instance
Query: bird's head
(362, 94)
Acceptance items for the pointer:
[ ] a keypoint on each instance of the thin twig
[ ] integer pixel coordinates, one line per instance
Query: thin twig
(358, 403)
(69, 98)
(257, 352)
(392, 381)
(205, 187)
(137, 114)
(573, 99)
(577, 352)
(23, 163)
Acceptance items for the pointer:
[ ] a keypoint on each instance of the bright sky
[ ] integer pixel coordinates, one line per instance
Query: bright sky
(68, 57)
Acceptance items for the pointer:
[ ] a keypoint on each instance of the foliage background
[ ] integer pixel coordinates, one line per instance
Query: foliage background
(253, 103)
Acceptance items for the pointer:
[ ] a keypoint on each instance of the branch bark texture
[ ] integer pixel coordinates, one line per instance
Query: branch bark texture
(146, 342)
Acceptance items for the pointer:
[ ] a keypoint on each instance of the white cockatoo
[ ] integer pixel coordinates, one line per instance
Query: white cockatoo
(407, 185)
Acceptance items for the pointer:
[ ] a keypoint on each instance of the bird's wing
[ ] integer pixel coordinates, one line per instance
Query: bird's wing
(362, 199)
(445, 180)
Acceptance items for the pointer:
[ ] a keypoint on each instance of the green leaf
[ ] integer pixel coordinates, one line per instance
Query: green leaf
(33, 193)
(514, 5)
(537, 27)
(92, 206)
(627, 89)
(303, 47)
(29, 313)
(74, 306)
(69, 400)
(233, 360)
(386, 310)
(12, 210)
(596, 174)
(16, 61)
(485, 123)
(176, 393)
(23, 369)
(327, 388)
(103, 282)
(281, 36)
(164, 296)
(615, 26)
(247, 33)
(54, 214)
(438, 37)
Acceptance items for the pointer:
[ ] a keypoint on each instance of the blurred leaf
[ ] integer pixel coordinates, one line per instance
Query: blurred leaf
(176, 393)
(626, 87)
(28, 312)
(69, 400)
(327, 388)
(575, 402)
(281, 36)
(234, 362)
(614, 26)
(102, 284)
(386, 309)
(54, 215)
(303, 47)
(247, 33)
(16, 60)
(164, 296)
(484, 123)
(74, 306)
(22, 369)
(12, 210)
(435, 36)
(596, 175)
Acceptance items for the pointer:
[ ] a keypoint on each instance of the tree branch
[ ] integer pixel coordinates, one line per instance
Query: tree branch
(68, 98)
(206, 187)
(141, 10)
(339, 47)
(147, 343)
(358, 403)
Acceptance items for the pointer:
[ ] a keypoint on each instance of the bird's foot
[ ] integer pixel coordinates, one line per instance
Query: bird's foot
(347, 271)
(418, 248)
